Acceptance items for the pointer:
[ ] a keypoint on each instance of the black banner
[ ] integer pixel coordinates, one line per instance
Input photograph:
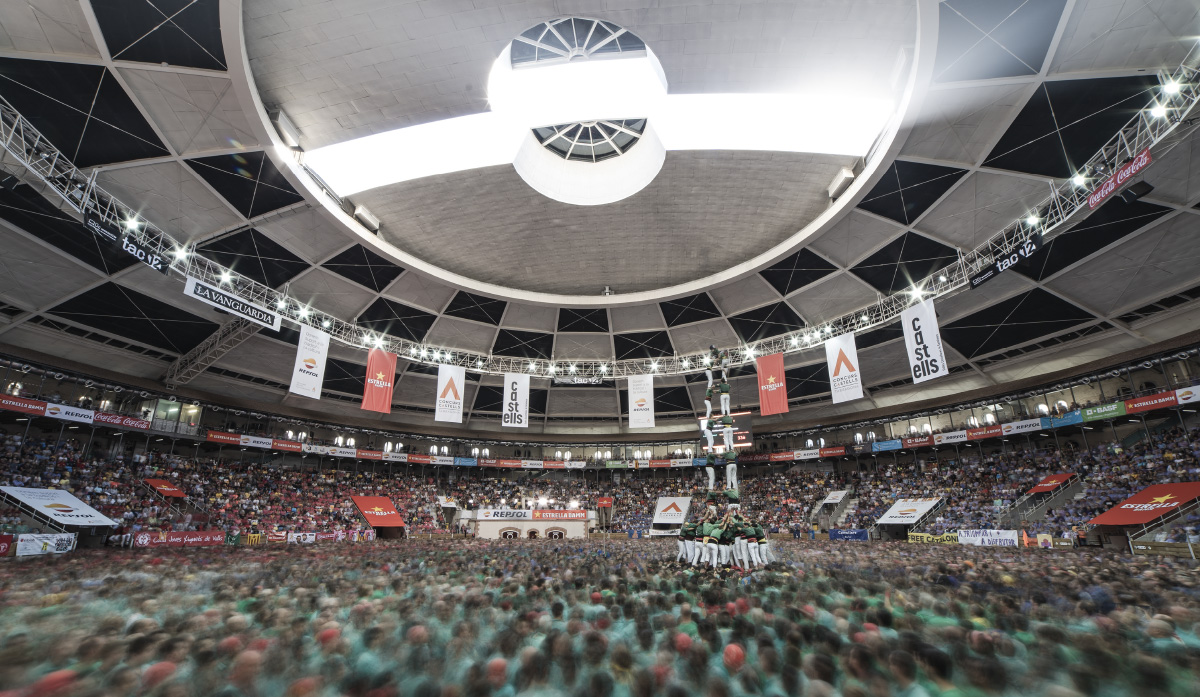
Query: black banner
(139, 251)
(97, 226)
(1025, 251)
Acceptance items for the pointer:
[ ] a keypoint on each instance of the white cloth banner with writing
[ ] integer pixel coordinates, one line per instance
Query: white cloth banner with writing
(309, 370)
(922, 341)
(843, 363)
(452, 381)
(833, 497)
(989, 538)
(50, 543)
(58, 505)
(908, 510)
(642, 401)
(515, 412)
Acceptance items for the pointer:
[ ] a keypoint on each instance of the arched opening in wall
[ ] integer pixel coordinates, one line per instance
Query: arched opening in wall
(927, 429)
(533, 534)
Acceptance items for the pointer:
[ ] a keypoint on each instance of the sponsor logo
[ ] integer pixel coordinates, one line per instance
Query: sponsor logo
(59, 507)
(122, 421)
(1119, 178)
(907, 511)
(771, 385)
(450, 389)
(379, 381)
(843, 361)
(640, 403)
(217, 298)
(143, 539)
(310, 363)
(1155, 504)
(505, 514)
(673, 508)
(53, 411)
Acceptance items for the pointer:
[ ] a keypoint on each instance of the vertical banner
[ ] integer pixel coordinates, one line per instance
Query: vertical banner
(516, 411)
(452, 379)
(773, 390)
(926, 360)
(377, 388)
(642, 401)
(843, 364)
(309, 370)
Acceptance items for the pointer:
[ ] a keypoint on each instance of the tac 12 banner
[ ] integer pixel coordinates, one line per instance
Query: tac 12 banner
(773, 388)
(308, 371)
(452, 379)
(843, 363)
(642, 401)
(516, 410)
(926, 359)
(377, 388)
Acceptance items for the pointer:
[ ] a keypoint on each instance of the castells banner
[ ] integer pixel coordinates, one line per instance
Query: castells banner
(203, 538)
(1149, 504)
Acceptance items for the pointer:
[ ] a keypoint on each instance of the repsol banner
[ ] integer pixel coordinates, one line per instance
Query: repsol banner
(854, 535)
(948, 538)
(989, 538)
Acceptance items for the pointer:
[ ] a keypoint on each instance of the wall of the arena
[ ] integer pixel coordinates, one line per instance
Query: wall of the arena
(531, 529)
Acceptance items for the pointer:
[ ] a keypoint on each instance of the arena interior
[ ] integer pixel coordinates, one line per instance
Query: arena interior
(599, 348)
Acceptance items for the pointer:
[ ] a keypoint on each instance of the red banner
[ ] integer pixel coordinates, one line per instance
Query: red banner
(660, 463)
(833, 452)
(204, 538)
(6, 543)
(1155, 401)
(25, 406)
(1118, 178)
(220, 437)
(1050, 483)
(377, 388)
(277, 537)
(103, 417)
(369, 454)
(782, 457)
(604, 502)
(754, 457)
(379, 511)
(560, 515)
(773, 388)
(419, 459)
(326, 536)
(923, 442)
(554, 464)
(986, 432)
(1149, 504)
(166, 488)
(289, 446)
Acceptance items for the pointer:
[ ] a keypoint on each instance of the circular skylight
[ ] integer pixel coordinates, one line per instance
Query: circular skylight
(591, 141)
(573, 38)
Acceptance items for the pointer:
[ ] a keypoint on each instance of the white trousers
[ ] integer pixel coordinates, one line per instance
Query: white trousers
(698, 551)
(725, 554)
(709, 375)
(753, 548)
(765, 552)
(708, 408)
(712, 546)
(740, 552)
(731, 476)
(727, 437)
(709, 438)
(712, 477)
(725, 404)
(689, 550)
(680, 555)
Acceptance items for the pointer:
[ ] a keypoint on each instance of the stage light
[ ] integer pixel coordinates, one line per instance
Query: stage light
(542, 501)
(571, 368)
(281, 304)
(325, 323)
(379, 342)
(303, 312)
(1079, 180)
(532, 367)
(132, 224)
(1159, 111)
(686, 364)
(550, 368)
(575, 504)
(654, 366)
(794, 340)
(181, 254)
(942, 278)
(604, 369)
(479, 364)
(1171, 87)
(864, 319)
(1032, 220)
(225, 277)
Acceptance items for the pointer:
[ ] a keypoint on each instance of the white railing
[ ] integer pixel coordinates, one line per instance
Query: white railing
(81, 192)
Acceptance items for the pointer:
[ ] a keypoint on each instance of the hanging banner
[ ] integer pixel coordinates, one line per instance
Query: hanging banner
(604, 502)
(918, 442)
(989, 538)
(833, 451)
(58, 505)
(54, 543)
(515, 412)
(1050, 483)
(1071, 418)
(984, 432)
(466, 462)
(922, 341)
(1015, 427)
(851, 535)
(223, 437)
(120, 421)
(811, 454)
(6, 543)
(908, 510)
(166, 488)
(843, 363)
(308, 371)
(1119, 178)
(66, 412)
(369, 454)
(1002, 263)
(212, 295)
(642, 401)
(947, 538)
(1150, 402)
(379, 511)
(1188, 395)
(288, 446)
(1149, 504)
(671, 510)
(882, 446)
(1105, 411)
(952, 437)
(773, 388)
(25, 406)
(203, 538)
(145, 254)
(452, 382)
(377, 388)
(255, 442)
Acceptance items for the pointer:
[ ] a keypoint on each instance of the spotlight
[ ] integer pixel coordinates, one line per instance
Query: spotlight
(303, 312)
(181, 254)
(572, 368)
(281, 304)
(1079, 180)
(1159, 111)
(225, 277)
(132, 224)
(604, 369)
(1032, 220)
(1171, 87)
(325, 323)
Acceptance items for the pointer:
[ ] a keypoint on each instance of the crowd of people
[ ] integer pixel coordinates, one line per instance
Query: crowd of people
(596, 618)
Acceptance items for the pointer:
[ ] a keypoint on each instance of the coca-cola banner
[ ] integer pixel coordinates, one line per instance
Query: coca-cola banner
(203, 538)
(103, 417)
(1119, 178)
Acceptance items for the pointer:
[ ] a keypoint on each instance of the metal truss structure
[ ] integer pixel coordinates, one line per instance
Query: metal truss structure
(228, 336)
(1177, 100)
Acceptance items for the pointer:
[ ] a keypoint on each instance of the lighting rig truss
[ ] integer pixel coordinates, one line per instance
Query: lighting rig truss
(1175, 102)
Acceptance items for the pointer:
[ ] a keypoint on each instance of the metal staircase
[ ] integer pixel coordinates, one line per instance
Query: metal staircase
(181, 508)
(1035, 506)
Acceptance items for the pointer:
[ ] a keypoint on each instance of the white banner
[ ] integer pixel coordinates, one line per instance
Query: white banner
(814, 454)
(441, 460)
(1026, 426)
(531, 464)
(256, 442)
(671, 510)
(498, 514)
(843, 363)
(396, 457)
(833, 497)
(56, 543)
(212, 295)
(1188, 395)
(952, 437)
(302, 538)
(308, 371)
(515, 408)
(447, 502)
(452, 382)
(908, 510)
(926, 359)
(69, 413)
(58, 505)
(343, 452)
(989, 538)
(642, 401)
(576, 464)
